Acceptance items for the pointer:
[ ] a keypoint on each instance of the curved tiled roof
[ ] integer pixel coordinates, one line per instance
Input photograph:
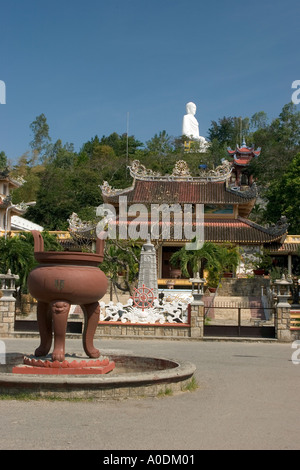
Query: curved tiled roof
(182, 192)
(238, 231)
(244, 150)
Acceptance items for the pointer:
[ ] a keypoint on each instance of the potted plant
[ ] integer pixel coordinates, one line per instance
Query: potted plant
(229, 258)
(195, 260)
(262, 264)
(213, 280)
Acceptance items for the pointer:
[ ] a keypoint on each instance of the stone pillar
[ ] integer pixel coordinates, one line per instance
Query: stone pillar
(7, 303)
(197, 320)
(148, 268)
(289, 264)
(7, 317)
(282, 324)
(282, 321)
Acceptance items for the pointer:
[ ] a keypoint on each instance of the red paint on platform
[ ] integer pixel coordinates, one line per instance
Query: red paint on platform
(25, 369)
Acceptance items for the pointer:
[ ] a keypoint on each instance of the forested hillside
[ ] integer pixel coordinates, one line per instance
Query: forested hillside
(63, 181)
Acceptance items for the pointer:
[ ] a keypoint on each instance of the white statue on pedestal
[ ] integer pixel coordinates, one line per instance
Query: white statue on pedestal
(190, 126)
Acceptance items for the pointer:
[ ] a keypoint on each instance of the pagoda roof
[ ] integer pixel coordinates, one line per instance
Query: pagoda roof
(241, 161)
(211, 187)
(182, 192)
(290, 246)
(244, 150)
(18, 209)
(13, 182)
(239, 231)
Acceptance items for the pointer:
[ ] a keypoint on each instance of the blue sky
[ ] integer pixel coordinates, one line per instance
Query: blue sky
(86, 64)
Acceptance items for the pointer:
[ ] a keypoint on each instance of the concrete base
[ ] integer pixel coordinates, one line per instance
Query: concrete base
(132, 377)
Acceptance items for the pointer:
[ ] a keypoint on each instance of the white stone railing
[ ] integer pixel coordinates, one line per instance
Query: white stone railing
(161, 313)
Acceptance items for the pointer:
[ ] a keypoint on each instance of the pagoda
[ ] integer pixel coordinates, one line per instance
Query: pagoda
(242, 156)
(225, 194)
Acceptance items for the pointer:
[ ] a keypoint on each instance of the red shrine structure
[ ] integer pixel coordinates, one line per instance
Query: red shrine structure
(242, 156)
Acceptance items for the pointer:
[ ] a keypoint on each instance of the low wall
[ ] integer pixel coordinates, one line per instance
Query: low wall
(192, 329)
(110, 329)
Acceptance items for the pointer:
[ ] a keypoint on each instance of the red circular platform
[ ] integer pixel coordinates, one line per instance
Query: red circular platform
(68, 367)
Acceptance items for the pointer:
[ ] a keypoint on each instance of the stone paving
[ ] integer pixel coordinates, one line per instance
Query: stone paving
(247, 398)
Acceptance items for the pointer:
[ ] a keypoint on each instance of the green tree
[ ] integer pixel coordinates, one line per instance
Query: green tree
(284, 197)
(287, 127)
(216, 259)
(280, 142)
(17, 254)
(160, 145)
(41, 138)
(121, 256)
(55, 200)
(229, 130)
(3, 161)
(259, 120)
(60, 155)
(122, 143)
(32, 178)
(195, 259)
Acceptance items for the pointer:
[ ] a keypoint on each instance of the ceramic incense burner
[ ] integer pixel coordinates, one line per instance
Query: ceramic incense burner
(62, 279)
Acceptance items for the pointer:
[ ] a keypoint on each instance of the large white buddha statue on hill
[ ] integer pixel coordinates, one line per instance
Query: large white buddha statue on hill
(190, 126)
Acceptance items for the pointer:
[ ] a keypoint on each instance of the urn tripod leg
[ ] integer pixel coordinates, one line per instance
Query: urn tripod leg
(44, 320)
(60, 310)
(91, 319)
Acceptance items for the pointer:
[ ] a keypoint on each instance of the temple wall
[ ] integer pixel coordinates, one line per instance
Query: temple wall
(109, 329)
(243, 287)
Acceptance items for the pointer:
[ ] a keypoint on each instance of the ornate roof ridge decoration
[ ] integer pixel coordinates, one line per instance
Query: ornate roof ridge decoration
(139, 171)
(276, 230)
(19, 180)
(107, 190)
(181, 172)
(181, 169)
(6, 202)
(250, 193)
(220, 173)
(78, 228)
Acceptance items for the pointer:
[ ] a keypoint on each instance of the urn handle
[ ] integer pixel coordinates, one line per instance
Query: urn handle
(38, 241)
(100, 246)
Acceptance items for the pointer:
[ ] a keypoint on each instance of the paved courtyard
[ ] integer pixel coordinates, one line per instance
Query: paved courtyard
(248, 398)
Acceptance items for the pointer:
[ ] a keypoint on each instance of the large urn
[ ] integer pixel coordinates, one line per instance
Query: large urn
(62, 279)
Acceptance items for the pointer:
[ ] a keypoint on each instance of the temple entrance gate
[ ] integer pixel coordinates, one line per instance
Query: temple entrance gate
(247, 320)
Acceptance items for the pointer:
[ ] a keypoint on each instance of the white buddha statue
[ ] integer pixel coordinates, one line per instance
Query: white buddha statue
(190, 126)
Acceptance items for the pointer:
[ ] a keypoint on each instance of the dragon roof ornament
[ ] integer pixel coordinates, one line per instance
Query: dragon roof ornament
(107, 190)
(180, 172)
